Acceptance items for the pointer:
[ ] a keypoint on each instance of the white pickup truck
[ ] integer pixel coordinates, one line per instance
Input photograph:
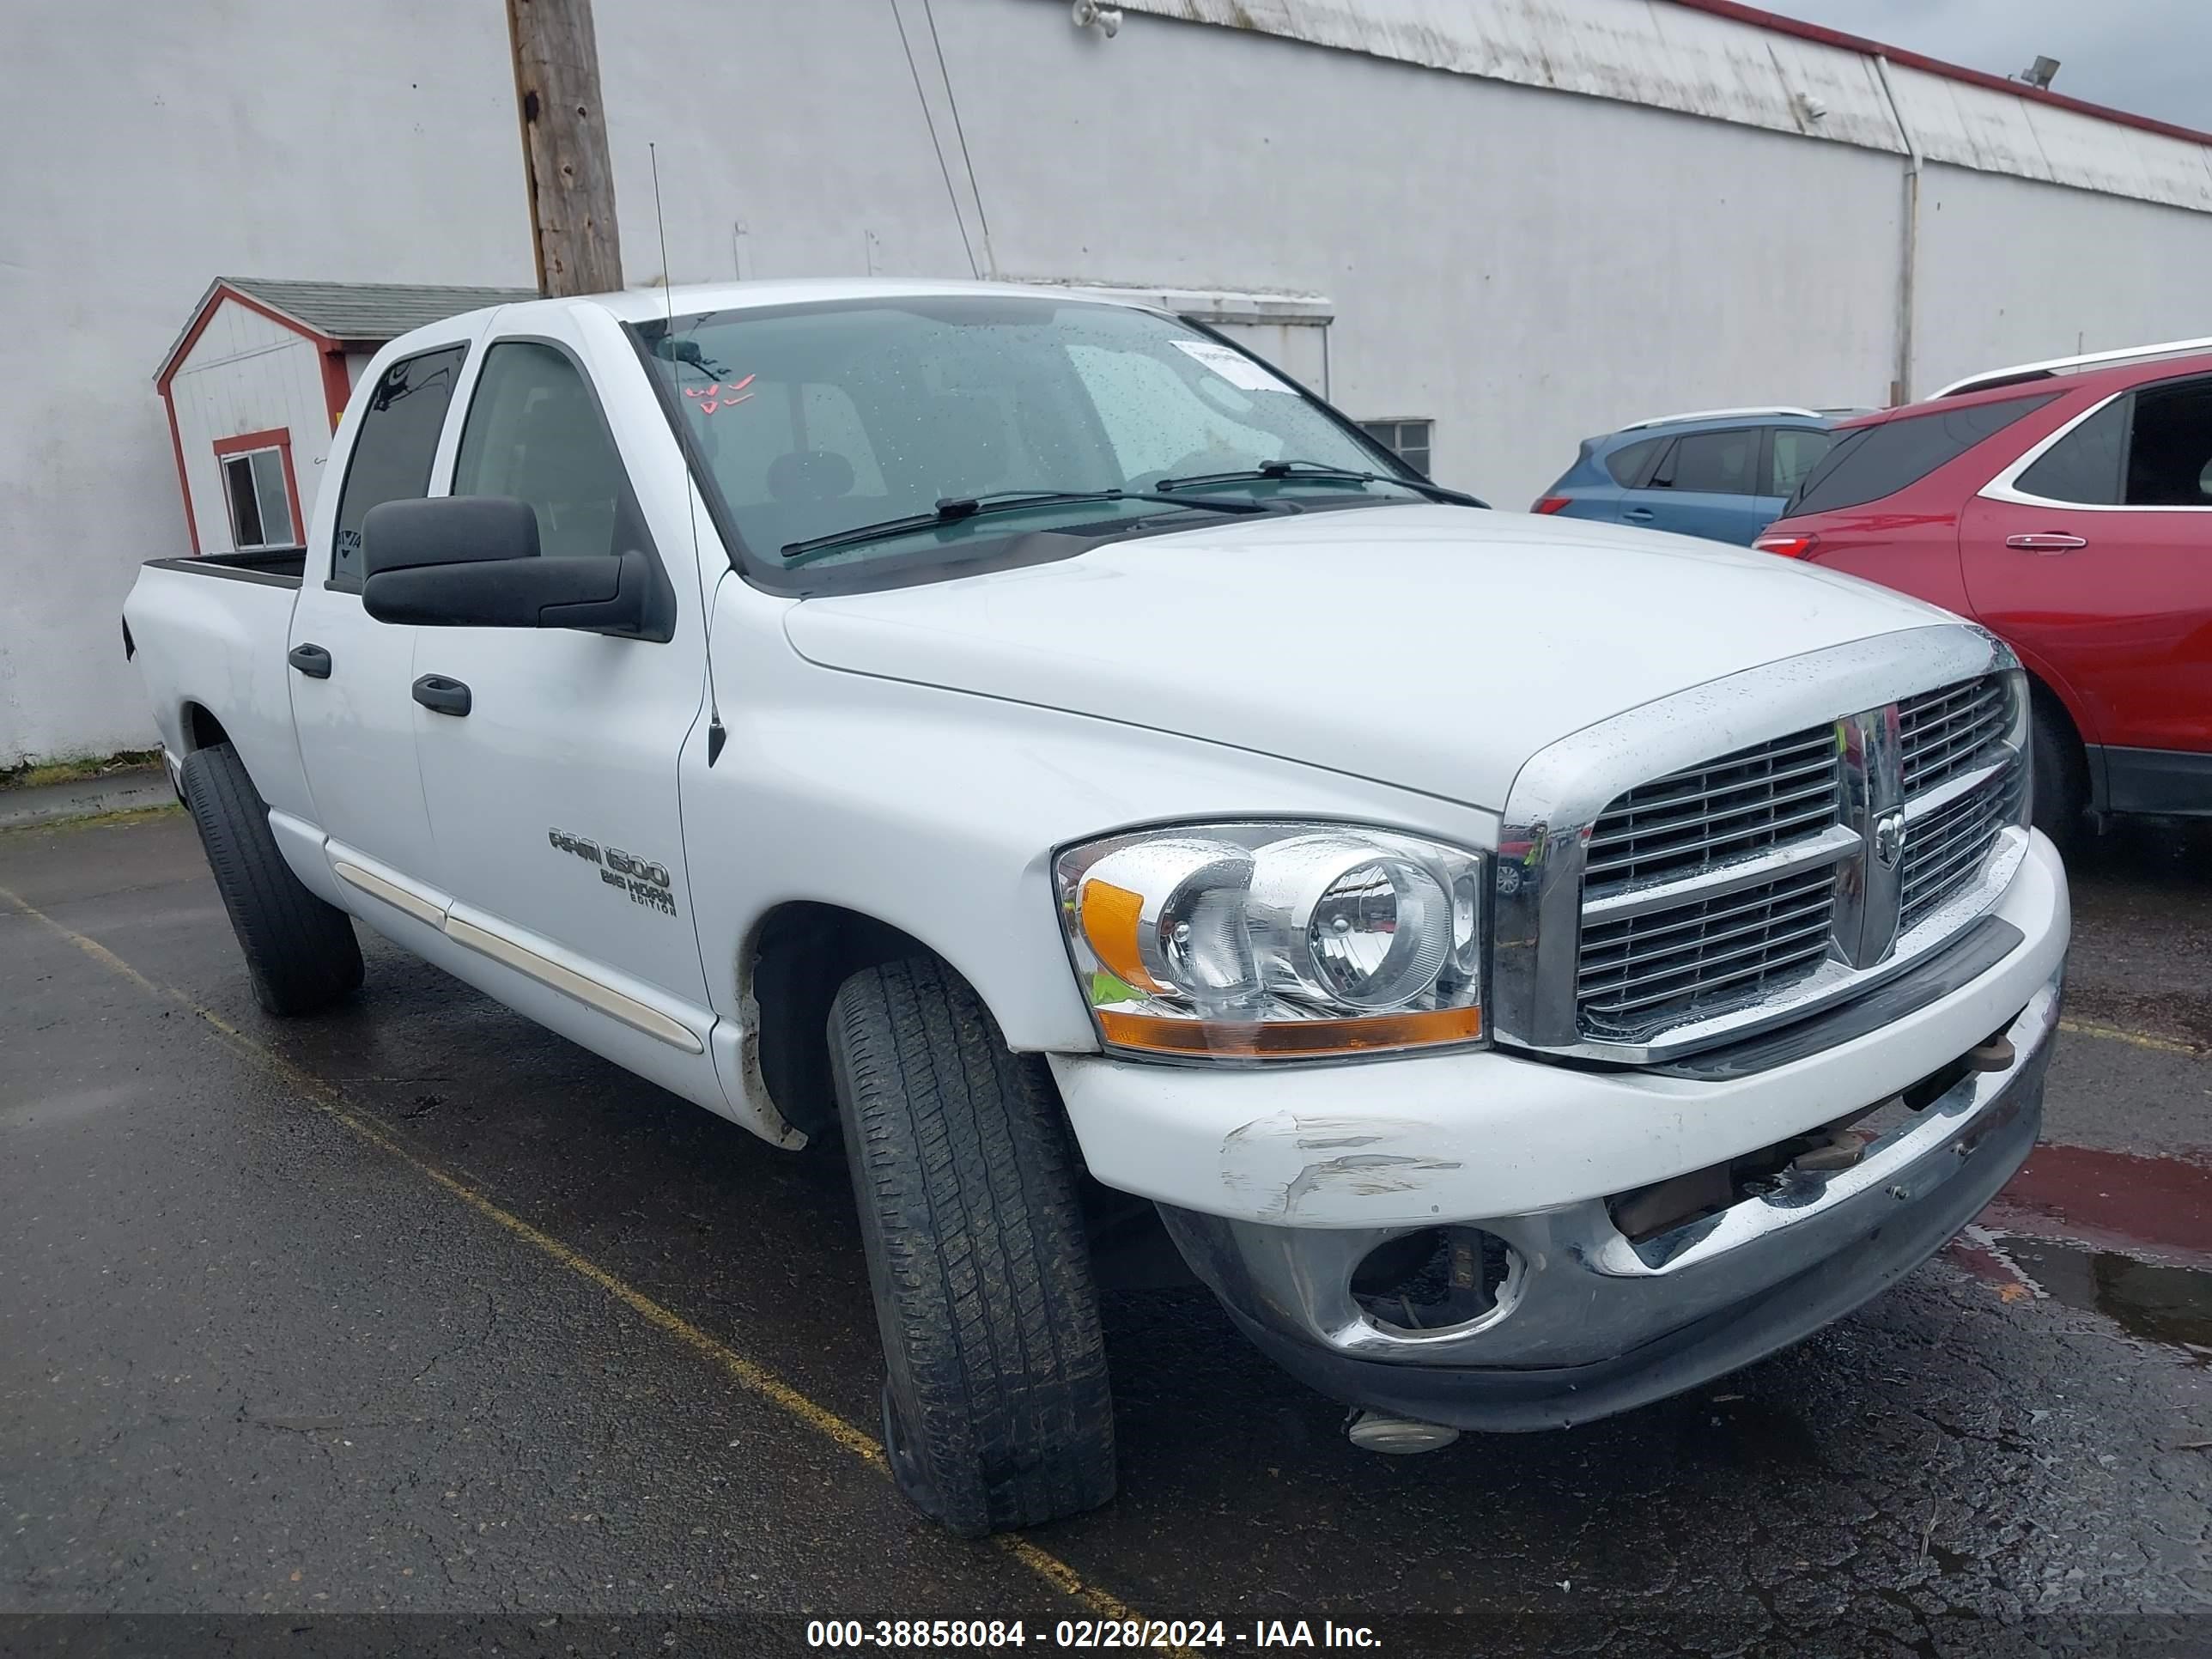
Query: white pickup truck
(1529, 967)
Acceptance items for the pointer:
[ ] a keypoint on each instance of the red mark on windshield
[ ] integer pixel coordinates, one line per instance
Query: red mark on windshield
(708, 398)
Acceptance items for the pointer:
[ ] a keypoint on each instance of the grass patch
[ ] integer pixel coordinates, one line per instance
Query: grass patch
(28, 775)
(129, 815)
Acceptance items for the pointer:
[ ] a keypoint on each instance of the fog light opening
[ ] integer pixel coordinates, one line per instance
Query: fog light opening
(1435, 1278)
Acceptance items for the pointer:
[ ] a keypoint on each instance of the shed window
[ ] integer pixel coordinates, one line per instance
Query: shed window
(260, 504)
(1408, 439)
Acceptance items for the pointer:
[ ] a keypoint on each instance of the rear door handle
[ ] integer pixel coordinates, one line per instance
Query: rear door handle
(310, 660)
(1640, 515)
(441, 695)
(2045, 541)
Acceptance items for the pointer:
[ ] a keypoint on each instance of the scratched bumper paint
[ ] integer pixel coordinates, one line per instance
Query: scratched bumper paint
(1584, 1321)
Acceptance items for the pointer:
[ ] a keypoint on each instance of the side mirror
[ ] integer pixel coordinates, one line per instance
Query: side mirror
(472, 562)
(442, 529)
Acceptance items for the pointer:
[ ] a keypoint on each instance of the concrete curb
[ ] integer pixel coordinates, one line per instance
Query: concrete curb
(115, 792)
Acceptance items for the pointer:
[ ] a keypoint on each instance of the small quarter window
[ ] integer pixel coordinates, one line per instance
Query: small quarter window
(1408, 439)
(1627, 463)
(2084, 466)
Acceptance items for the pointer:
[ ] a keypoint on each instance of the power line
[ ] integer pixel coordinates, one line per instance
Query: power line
(951, 195)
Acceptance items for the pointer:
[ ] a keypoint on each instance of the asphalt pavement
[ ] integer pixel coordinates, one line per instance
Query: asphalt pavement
(427, 1331)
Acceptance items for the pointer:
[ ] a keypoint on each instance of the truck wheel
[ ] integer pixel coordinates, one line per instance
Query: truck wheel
(996, 1408)
(2061, 798)
(301, 953)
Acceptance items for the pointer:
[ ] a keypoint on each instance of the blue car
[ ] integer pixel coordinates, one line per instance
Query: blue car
(1724, 474)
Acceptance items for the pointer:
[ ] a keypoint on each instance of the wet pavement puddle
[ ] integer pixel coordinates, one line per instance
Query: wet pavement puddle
(2108, 1233)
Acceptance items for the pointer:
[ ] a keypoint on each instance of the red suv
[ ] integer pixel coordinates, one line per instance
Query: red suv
(2066, 506)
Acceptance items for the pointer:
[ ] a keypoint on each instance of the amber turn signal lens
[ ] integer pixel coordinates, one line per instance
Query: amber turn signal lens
(1110, 919)
(1308, 1039)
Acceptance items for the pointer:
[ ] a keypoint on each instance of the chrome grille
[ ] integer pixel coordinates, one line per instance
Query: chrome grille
(1678, 925)
(1945, 732)
(1742, 803)
(1660, 968)
(1643, 972)
(1945, 736)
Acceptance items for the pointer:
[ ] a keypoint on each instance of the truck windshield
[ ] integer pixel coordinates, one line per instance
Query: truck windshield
(835, 434)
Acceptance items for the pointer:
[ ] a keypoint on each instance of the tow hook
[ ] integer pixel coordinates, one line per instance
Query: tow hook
(1401, 1436)
(1995, 1055)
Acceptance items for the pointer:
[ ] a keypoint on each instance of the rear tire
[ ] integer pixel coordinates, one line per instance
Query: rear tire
(997, 1412)
(2062, 794)
(300, 952)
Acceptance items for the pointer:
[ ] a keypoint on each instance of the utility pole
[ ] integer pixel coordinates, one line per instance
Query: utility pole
(564, 147)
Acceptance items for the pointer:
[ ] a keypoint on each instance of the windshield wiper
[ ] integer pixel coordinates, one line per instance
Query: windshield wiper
(951, 510)
(1320, 472)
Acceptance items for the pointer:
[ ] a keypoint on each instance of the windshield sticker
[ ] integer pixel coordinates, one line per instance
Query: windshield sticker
(1232, 365)
(708, 398)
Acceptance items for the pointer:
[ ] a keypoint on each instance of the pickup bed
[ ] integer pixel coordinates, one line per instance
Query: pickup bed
(1526, 967)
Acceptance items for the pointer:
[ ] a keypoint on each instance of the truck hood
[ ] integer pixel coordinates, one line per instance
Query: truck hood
(1430, 648)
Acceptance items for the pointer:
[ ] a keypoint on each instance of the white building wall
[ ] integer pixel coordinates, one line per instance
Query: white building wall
(1527, 269)
(2012, 271)
(1534, 219)
(145, 150)
(246, 374)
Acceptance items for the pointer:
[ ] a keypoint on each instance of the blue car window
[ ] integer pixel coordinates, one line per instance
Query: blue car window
(1626, 463)
(1712, 463)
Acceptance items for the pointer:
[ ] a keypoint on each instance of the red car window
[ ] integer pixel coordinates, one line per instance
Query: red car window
(1871, 462)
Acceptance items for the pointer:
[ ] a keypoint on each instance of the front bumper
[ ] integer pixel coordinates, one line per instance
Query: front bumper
(1587, 1323)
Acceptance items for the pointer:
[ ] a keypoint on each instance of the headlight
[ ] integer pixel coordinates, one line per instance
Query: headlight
(1263, 941)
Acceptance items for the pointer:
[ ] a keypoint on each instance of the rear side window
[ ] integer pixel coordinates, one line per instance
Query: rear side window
(1627, 463)
(1711, 463)
(392, 452)
(1874, 461)
(2084, 466)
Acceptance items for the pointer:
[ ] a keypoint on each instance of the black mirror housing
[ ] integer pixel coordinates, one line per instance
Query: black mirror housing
(439, 530)
(600, 595)
(473, 562)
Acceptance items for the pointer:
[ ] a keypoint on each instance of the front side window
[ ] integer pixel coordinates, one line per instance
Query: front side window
(1796, 450)
(2169, 453)
(260, 501)
(534, 432)
(1711, 463)
(1871, 462)
(394, 448)
(831, 420)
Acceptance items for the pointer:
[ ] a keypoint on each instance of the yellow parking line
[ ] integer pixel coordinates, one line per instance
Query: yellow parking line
(326, 1097)
(2138, 1039)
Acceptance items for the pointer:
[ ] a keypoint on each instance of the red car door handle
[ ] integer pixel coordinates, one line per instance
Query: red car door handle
(2047, 542)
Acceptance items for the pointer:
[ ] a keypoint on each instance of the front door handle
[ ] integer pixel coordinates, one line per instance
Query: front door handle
(310, 660)
(441, 695)
(2045, 541)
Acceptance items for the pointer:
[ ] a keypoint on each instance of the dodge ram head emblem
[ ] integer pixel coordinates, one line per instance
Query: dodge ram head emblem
(1889, 839)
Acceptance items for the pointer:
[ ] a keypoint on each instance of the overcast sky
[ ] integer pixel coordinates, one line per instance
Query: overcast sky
(2151, 57)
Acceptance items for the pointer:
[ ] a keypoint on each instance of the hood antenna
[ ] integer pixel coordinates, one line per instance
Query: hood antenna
(716, 736)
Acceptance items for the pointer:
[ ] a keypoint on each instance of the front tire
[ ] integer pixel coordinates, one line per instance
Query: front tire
(2062, 795)
(300, 952)
(997, 1412)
